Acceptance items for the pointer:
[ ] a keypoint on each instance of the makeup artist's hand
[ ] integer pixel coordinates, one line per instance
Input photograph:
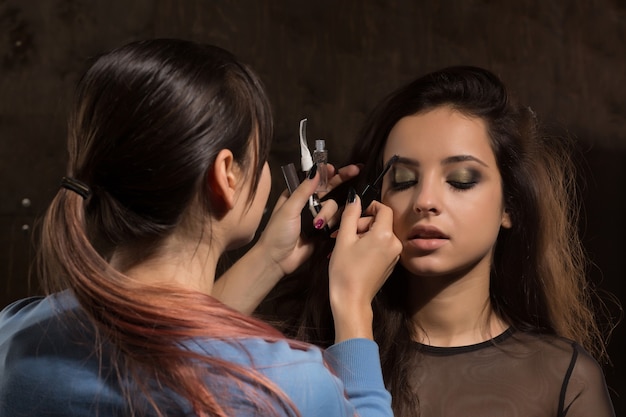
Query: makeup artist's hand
(281, 239)
(366, 251)
(279, 250)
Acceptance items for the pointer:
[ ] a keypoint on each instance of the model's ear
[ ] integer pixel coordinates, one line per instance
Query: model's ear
(224, 180)
(506, 219)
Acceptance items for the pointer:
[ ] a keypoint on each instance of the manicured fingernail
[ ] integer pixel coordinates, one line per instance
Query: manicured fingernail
(351, 195)
(312, 172)
(319, 224)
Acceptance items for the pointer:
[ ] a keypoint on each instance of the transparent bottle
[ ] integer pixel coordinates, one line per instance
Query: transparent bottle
(320, 157)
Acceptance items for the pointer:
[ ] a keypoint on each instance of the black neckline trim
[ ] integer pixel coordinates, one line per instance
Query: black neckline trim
(455, 350)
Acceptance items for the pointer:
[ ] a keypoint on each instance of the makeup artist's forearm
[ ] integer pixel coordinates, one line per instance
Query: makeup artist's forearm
(248, 281)
(353, 321)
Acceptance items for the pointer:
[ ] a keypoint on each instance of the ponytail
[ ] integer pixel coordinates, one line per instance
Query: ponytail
(150, 327)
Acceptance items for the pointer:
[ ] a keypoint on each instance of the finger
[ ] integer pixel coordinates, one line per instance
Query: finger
(350, 216)
(281, 200)
(334, 220)
(343, 174)
(364, 224)
(337, 177)
(336, 217)
(381, 215)
(300, 195)
(326, 214)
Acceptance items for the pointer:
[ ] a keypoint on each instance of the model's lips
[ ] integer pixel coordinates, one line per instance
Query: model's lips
(427, 238)
(427, 232)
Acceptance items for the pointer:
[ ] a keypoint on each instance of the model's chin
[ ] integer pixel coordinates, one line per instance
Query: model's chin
(420, 265)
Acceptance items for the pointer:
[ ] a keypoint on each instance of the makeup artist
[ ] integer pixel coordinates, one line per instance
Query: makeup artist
(167, 170)
(489, 311)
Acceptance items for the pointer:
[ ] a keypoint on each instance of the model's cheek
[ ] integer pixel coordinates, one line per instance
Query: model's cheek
(479, 224)
(399, 228)
(401, 214)
(398, 202)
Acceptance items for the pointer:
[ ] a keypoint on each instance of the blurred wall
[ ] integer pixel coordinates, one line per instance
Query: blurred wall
(330, 61)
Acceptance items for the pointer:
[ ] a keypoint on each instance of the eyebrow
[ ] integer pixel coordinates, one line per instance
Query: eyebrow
(449, 160)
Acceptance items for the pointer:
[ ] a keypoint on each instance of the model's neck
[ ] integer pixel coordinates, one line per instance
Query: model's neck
(453, 310)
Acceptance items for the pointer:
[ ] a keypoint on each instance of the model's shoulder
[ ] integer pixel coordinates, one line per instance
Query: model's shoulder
(551, 349)
(535, 340)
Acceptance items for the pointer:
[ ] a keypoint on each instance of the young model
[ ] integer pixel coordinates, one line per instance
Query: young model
(488, 312)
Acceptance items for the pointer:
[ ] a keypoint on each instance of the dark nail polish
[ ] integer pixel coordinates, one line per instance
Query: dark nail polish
(319, 224)
(351, 195)
(312, 172)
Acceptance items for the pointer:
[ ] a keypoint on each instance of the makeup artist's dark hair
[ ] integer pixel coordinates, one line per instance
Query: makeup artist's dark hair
(538, 277)
(148, 121)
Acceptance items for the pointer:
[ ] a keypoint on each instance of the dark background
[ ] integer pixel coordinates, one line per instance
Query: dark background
(329, 61)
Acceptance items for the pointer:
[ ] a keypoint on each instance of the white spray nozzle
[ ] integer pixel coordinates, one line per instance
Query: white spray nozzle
(305, 155)
(320, 144)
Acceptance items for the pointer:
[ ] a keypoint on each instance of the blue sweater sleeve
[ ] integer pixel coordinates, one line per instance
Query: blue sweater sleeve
(353, 386)
(357, 363)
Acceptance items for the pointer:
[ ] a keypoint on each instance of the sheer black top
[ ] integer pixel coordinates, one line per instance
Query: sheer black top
(515, 375)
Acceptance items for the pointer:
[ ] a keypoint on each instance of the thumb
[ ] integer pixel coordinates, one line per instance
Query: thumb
(300, 196)
(350, 217)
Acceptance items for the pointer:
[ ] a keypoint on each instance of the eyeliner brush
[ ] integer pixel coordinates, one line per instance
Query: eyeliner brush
(371, 191)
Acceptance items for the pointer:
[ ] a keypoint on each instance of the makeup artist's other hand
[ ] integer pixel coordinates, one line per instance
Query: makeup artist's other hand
(279, 251)
(366, 251)
(281, 238)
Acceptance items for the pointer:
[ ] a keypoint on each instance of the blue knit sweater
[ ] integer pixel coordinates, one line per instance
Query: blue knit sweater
(48, 367)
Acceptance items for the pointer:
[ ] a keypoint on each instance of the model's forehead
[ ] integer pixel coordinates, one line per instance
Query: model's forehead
(440, 133)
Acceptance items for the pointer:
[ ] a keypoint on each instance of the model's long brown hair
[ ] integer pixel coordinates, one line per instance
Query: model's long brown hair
(538, 277)
(148, 121)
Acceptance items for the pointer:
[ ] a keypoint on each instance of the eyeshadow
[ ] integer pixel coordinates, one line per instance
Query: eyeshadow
(403, 174)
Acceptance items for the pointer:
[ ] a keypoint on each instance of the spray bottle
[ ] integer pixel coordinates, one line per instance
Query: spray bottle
(320, 157)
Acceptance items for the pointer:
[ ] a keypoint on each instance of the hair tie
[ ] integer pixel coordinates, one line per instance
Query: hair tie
(77, 186)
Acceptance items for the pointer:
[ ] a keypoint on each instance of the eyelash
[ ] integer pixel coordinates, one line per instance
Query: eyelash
(458, 186)
(462, 186)
(401, 186)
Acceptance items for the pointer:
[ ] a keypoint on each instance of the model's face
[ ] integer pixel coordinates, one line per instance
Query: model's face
(445, 192)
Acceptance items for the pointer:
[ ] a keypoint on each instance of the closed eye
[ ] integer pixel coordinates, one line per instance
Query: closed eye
(464, 179)
(462, 185)
(399, 186)
(402, 178)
